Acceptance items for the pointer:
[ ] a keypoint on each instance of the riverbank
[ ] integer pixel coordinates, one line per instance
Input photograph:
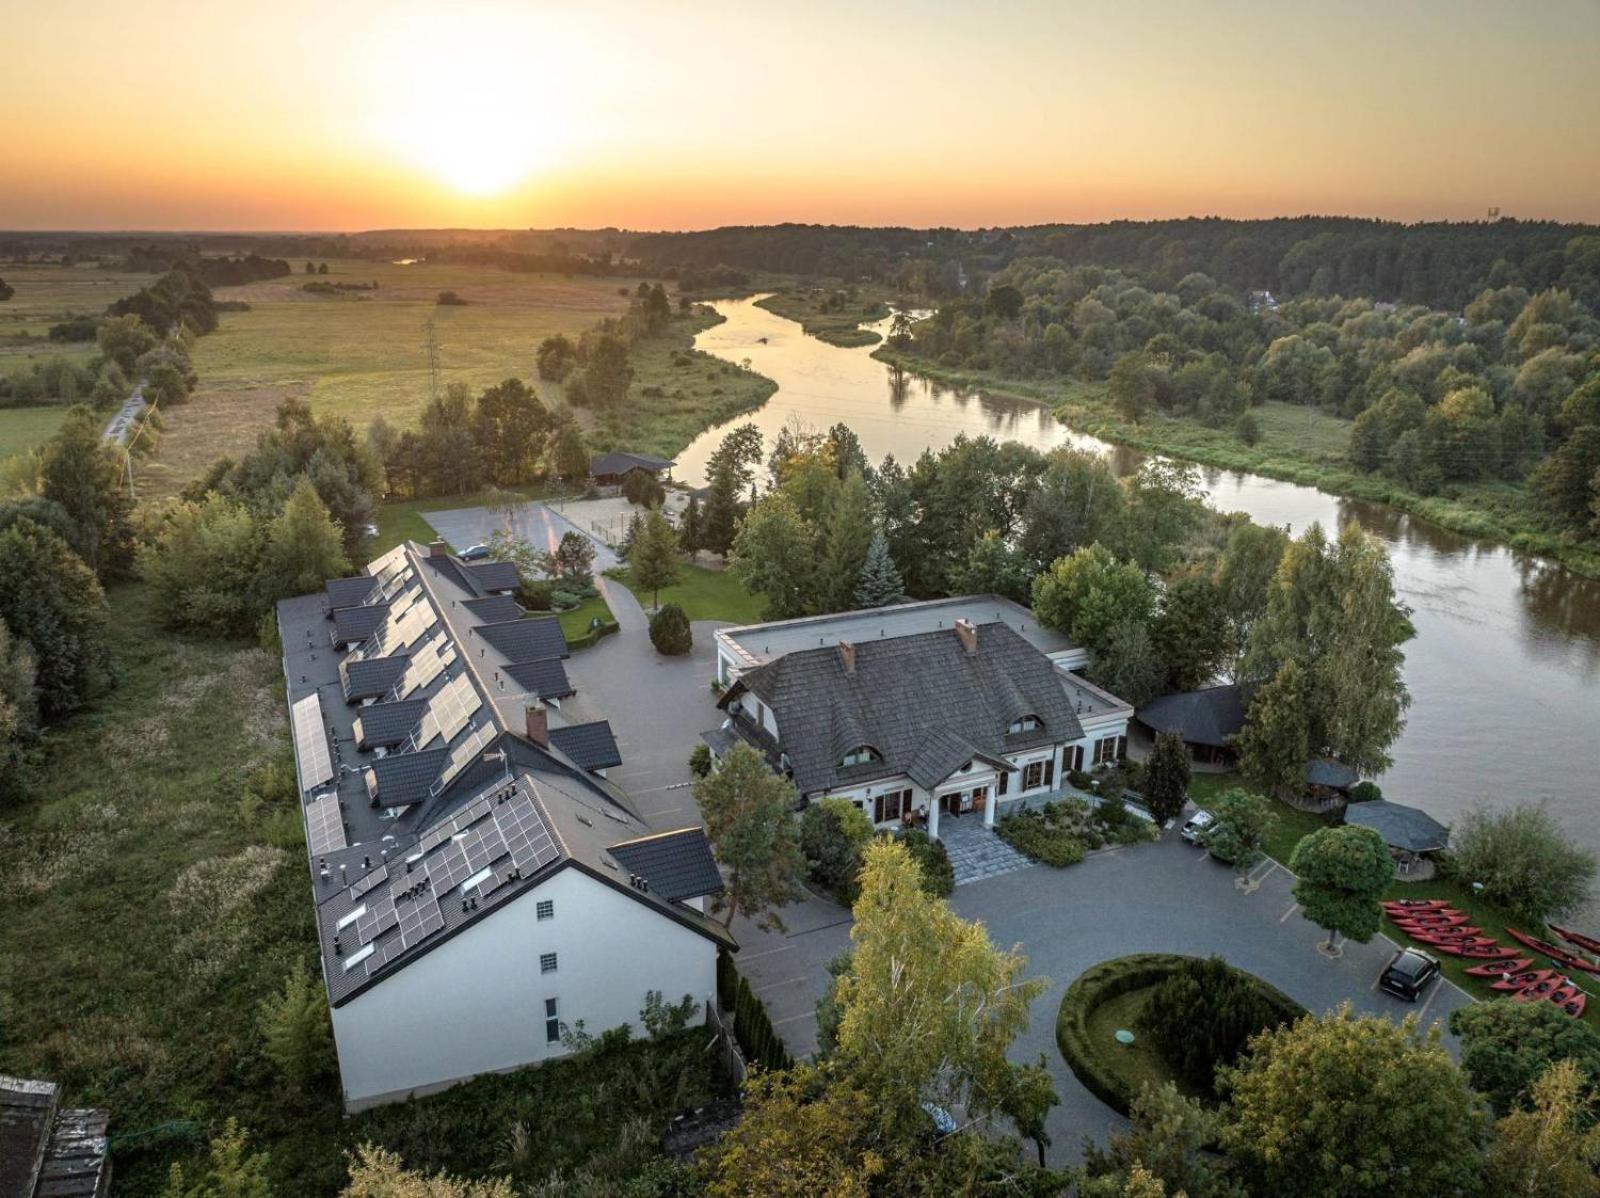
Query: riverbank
(833, 314)
(677, 392)
(1298, 445)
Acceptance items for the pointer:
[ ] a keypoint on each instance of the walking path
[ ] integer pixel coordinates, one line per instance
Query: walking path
(120, 425)
(976, 852)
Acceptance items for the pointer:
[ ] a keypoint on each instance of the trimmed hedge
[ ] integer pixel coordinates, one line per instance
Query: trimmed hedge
(751, 1026)
(1091, 1062)
(593, 636)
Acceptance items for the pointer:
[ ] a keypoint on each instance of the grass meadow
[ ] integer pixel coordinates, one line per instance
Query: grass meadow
(365, 357)
(25, 429)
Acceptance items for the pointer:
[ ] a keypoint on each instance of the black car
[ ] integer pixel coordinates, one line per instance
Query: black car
(1409, 974)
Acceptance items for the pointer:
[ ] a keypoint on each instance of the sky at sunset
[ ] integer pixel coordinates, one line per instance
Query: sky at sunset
(287, 114)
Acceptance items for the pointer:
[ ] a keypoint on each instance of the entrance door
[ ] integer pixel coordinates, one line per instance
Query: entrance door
(980, 798)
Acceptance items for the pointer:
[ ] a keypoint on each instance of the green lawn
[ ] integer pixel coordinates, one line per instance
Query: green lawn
(575, 623)
(705, 595)
(24, 429)
(1138, 1062)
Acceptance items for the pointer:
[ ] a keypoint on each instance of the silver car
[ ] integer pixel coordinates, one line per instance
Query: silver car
(1196, 824)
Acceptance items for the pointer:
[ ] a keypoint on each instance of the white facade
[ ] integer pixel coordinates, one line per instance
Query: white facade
(477, 1003)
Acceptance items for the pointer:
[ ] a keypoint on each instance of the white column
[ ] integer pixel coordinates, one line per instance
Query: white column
(992, 802)
(933, 817)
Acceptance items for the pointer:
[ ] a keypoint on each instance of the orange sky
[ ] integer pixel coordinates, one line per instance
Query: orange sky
(294, 114)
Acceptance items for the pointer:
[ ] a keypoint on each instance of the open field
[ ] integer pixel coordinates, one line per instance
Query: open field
(47, 294)
(22, 429)
(364, 357)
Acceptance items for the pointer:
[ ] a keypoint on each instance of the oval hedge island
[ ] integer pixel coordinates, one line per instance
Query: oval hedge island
(1188, 1015)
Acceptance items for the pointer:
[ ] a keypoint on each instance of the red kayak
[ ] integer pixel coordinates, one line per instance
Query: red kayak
(1542, 989)
(1565, 992)
(1457, 941)
(1559, 955)
(1521, 981)
(1574, 1005)
(1436, 921)
(1587, 943)
(1499, 968)
(1448, 930)
(1415, 904)
(1481, 952)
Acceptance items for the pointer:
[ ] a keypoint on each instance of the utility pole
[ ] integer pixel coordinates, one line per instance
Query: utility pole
(431, 345)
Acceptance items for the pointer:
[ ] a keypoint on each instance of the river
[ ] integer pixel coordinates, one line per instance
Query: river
(1504, 671)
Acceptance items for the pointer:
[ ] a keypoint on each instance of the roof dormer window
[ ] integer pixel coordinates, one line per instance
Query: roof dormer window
(1028, 723)
(860, 755)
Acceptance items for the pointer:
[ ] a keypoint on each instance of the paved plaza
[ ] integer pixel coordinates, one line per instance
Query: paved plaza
(975, 851)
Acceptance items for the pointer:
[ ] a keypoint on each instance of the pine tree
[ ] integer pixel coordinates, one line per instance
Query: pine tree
(653, 556)
(689, 526)
(1166, 777)
(879, 584)
(294, 1024)
(846, 539)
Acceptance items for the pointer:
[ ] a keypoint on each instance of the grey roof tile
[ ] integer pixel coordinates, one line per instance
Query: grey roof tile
(620, 463)
(493, 576)
(387, 724)
(921, 701)
(525, 640)
(1212, 716)
(351, 624)
(547, 678)
(349, 592)
(677, 865)
(492, 609)
(592, 746)
(372, 677)
(404, 778)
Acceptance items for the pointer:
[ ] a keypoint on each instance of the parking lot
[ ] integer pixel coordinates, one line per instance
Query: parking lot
(1162, 897)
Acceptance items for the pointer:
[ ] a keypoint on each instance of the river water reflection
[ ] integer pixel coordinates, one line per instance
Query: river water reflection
(1505, 668)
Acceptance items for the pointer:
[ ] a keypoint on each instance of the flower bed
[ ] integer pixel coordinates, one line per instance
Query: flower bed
(1060, 833)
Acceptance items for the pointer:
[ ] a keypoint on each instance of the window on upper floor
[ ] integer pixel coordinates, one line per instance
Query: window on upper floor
(552, 1021)
(547, 963)
(1028, 723)
(546, 909)
(860, 755)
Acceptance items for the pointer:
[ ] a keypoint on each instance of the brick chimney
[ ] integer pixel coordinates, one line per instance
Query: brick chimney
(539, 724)
(847, 655)
(437, 549)
(968, 632)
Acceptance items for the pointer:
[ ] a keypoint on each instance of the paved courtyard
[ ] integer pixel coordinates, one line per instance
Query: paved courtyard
(540, 524)
(1161, 897)
(976, 852)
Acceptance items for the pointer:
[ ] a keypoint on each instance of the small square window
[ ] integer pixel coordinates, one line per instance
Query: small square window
(547, 963)
(546, 909)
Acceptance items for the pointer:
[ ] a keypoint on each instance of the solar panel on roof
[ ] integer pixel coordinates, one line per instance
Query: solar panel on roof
(525, 834)
(420, 921)
(324, 825)
(364, 884)
(311, 743)
(380, 917)
(461, 756)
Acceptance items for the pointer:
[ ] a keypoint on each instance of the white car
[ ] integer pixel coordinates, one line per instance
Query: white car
(1196, 824)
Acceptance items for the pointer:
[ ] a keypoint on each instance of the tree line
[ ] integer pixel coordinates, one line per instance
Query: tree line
(1503, 392)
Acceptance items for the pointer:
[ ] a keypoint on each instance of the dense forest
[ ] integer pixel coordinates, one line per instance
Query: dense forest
(1508, 390)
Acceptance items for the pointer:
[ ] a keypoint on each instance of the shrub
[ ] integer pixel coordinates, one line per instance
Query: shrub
(1365, 792)
(938, 875)
(1079, 780)
(1036, 836)
(700, 760)
(832, 835)
(294, 1025)
(1526, 863)
(535, 595)
(562, 599)
(1247, 428)
(1096, 1064)
(1505, 1046)
(1203, 1016)
(1166, 780)
(670, 632)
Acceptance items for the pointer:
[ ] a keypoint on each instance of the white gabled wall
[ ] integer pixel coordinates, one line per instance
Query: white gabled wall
(475, 1004)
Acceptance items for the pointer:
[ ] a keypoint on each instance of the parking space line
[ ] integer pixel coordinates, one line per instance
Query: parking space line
(766, 952)
(1293, 907)
(786, 982)
(1432, 994)
(795, 1018)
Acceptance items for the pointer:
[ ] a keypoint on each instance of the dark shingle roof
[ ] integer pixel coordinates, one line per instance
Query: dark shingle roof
(591, 746)
(620, 463)
(547, 679)
(372, 677)
(525, 640)
(494, 608)
(404, 778)
(1336, 775)
(387, 724)
(1206, 717)
(358, 623)
(493, 576)
(350, 592)
(1401, 826)
(677, 865)
(921, 701)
